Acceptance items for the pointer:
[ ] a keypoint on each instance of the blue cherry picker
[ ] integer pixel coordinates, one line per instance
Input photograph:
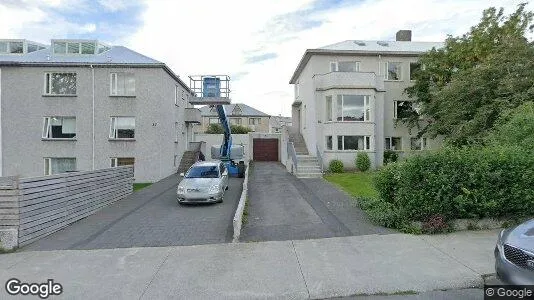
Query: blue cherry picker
(214, 91)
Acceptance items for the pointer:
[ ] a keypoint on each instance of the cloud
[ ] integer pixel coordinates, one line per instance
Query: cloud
(258, 43)
(260, 58)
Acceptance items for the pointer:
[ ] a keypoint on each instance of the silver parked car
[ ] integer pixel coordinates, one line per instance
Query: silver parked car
(204, 182)
(514, 255)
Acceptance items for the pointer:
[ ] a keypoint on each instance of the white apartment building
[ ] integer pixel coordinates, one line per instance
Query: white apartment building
(349, 95)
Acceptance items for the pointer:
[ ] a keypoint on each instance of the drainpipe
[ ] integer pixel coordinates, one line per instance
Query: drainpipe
(93, 119)
(1, 167)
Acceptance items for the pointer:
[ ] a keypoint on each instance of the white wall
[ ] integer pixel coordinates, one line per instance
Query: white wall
(216, 139)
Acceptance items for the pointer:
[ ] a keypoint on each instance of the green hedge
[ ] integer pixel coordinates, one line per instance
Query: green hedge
(363, 163)
(456, 183)
(335, 166)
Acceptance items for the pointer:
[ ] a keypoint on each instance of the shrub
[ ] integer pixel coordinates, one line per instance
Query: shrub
(363, 163)
(336, 166)
(239, 129)
(435, 224)
(460, 183)
(390, 156)
(215, 129)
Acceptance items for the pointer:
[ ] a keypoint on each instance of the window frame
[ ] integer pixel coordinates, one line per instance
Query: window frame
(336, 65)
(410, 69)
(114, 161)
(48, 164)
(254, 119)
(423, 141)
(386, 70)
(367, 142)
(366, 108)
(395, 108)
(329, 116)
(113, 88)
(389, 145)
(329, 138)
(47, 127)
(114, 130)
(48, 84)
(240, 123)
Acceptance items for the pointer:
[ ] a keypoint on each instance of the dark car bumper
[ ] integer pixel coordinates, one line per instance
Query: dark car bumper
(509, 273)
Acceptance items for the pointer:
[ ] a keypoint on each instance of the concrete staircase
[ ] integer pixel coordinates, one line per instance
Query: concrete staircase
(188, 159)
(307, 165)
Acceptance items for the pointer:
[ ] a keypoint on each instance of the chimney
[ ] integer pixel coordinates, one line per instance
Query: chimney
(404, 35)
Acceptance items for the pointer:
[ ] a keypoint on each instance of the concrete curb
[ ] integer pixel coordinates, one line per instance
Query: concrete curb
(238, 217)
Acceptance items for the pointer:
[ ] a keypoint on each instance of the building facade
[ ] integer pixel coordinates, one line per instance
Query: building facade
(349, 97)
(238, 114)
(82, 105)
(277, 122)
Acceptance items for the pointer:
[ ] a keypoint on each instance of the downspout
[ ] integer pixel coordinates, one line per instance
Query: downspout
(93, 119)
(1, 167)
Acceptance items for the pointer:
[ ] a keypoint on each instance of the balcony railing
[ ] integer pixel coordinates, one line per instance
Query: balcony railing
(355, 80)
(192, 115)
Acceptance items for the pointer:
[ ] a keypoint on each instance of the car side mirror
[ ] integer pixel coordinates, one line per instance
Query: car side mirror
(182, 175)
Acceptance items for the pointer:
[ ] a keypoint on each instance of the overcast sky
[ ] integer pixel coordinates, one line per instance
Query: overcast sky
(257, 43)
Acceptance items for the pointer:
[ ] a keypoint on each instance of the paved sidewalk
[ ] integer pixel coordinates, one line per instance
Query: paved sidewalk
(321, 268)
(283, 207)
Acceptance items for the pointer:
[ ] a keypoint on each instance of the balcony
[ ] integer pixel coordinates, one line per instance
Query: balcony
(192, 115)
(348, 80)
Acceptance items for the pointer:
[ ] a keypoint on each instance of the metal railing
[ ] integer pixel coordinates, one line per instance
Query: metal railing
(196, 84)
(291, 152)
(319, 157)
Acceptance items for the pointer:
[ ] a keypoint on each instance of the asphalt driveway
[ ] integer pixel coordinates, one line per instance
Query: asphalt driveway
(150, 217)
(283, 207)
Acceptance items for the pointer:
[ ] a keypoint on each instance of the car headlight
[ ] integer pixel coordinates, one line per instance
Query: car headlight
(214, 188)
(181, 189)
(502, 237)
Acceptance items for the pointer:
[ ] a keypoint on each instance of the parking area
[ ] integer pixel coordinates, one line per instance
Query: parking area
(150, 217)
(283, 207)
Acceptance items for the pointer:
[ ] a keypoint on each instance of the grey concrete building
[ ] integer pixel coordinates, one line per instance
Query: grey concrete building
(83, 105)
(349, 95)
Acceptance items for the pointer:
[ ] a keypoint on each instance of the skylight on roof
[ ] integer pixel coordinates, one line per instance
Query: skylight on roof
(359, 43)
(19, 46)
(78, 47)
(382, 43)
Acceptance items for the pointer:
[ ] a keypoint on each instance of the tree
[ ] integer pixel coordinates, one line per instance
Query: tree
(515, 128)
(238, 129)
(462, 88)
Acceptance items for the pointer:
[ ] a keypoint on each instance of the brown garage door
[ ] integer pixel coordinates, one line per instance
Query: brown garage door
(265, 149)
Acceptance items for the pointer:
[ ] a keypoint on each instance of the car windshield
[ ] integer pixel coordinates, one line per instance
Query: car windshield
(203, 172)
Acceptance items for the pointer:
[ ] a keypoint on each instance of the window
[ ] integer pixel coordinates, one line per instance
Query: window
(345, 66)
(328, 108)
(59, 128)
(60, 83)
(353, 142)
(235, 121)
(62, 47)
(88, 48)
(418, 143)
(353, 108)
(214, 121)
(12, 47)
(393, 143)
(393, 71)
(122, 161)
(183, 95)
(122, 128)
(414, 68)
(329, 142)
(122, 84)
(59, 165)
(175, 160)
(176, 93)
(404, 109)
(254, 121)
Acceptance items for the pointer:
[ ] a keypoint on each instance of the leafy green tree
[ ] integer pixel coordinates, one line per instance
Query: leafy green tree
(238, 129)
(463, 88)
(515, 128)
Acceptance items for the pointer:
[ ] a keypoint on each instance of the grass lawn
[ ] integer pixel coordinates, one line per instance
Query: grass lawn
(141, 185)
(358, 184)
